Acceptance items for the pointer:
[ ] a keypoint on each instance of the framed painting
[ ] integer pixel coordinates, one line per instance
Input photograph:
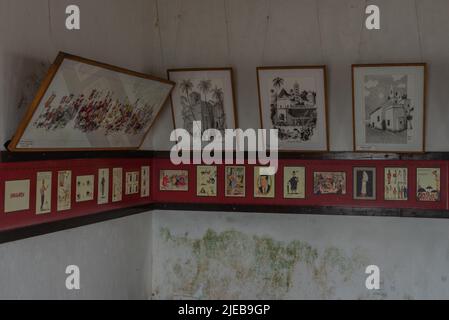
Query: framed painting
(103, 186)
(132, 183)
(264, 183)
(64, 190)
(294, 182)
(88, 105)
(364, 183)
(235, 181)
(428, 184)
(293, 100)
(206, 181)
(145, 181)
(396, 183)
(17, 195)
(85, 188)
(117, 184)
(389, 107)
(174, 180)
(43, 192)
(327, 183)
(205, 95)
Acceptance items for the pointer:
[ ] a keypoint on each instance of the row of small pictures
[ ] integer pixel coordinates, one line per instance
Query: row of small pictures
(17, 192)
(294, 182)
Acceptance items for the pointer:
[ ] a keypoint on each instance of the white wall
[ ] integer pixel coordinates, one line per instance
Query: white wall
(267, 256)
(114, 259)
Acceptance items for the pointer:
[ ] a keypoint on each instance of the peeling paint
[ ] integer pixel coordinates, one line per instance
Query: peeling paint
(216, 265)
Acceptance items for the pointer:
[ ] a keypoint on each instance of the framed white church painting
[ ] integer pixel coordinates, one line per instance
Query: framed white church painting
(389, 107)
(87, 105)
(294, 101)
(205, 95)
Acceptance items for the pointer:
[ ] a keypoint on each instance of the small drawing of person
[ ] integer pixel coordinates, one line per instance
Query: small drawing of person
(43, 189)
(293, 183)
(365, 180)
(264, 185)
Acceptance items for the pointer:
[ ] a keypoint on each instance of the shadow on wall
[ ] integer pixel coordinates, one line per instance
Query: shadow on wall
(22, 77)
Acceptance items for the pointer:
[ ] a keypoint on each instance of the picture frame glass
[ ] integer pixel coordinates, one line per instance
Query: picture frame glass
(396, 184)
(294, 183)
(293, 100)
(389, 108)
(205, 95)
(329, 183)
(264, 183)
(85, 105)
(364, 183)
(428, 184)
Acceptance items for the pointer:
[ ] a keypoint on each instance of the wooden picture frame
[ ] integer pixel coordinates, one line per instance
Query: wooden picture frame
(85, 105)
(392, 105)
(221, 78)
(307, 96)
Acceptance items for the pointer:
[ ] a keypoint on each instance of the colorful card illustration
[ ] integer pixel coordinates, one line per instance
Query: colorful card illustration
(103, 186)
(17, 195)
(364, 183)
(117, 184)
(235, 181)
(43, 193)
(64, 190)
(294, 182)
(145, 182)
(264, 183)
(132, 183)
(174, 180)
(396, 184)
(206, 181)
(85, 188)
(428, 184)
(327, 183)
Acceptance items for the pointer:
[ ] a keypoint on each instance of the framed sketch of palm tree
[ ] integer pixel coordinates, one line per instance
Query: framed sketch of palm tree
(293, 100)
(204, 95)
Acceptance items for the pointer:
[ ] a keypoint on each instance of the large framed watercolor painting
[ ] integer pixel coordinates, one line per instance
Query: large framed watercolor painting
(389, 107)
(294, 101)
(205, 95)
(87, 105)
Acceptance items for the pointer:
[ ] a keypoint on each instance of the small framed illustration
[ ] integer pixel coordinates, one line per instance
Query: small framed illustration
(132, 183)
(327, 183)
(145, 182)
(17, 195)
(294, 182)
(264, 183)
(428, 184)
(235, 181)
(103, 186)
(294, 101)
(206, 181)
(396, 183)
(117, 184)
(205, 95)
(64, 190)
(85, 188)
(43, 192)
(364, 183)
(174, 180)
(389, 107)
(88, 105)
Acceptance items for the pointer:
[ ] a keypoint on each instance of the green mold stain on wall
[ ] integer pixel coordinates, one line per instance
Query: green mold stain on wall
(223, 265)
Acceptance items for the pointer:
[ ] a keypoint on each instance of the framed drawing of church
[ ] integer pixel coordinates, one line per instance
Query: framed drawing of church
(203, 95)
(294, 101)
(389, 107)
(88, 105)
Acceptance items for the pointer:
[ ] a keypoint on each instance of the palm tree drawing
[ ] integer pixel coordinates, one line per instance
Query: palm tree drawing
(186, 87)
(278, 83)
(218, 94)
(205, 86)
